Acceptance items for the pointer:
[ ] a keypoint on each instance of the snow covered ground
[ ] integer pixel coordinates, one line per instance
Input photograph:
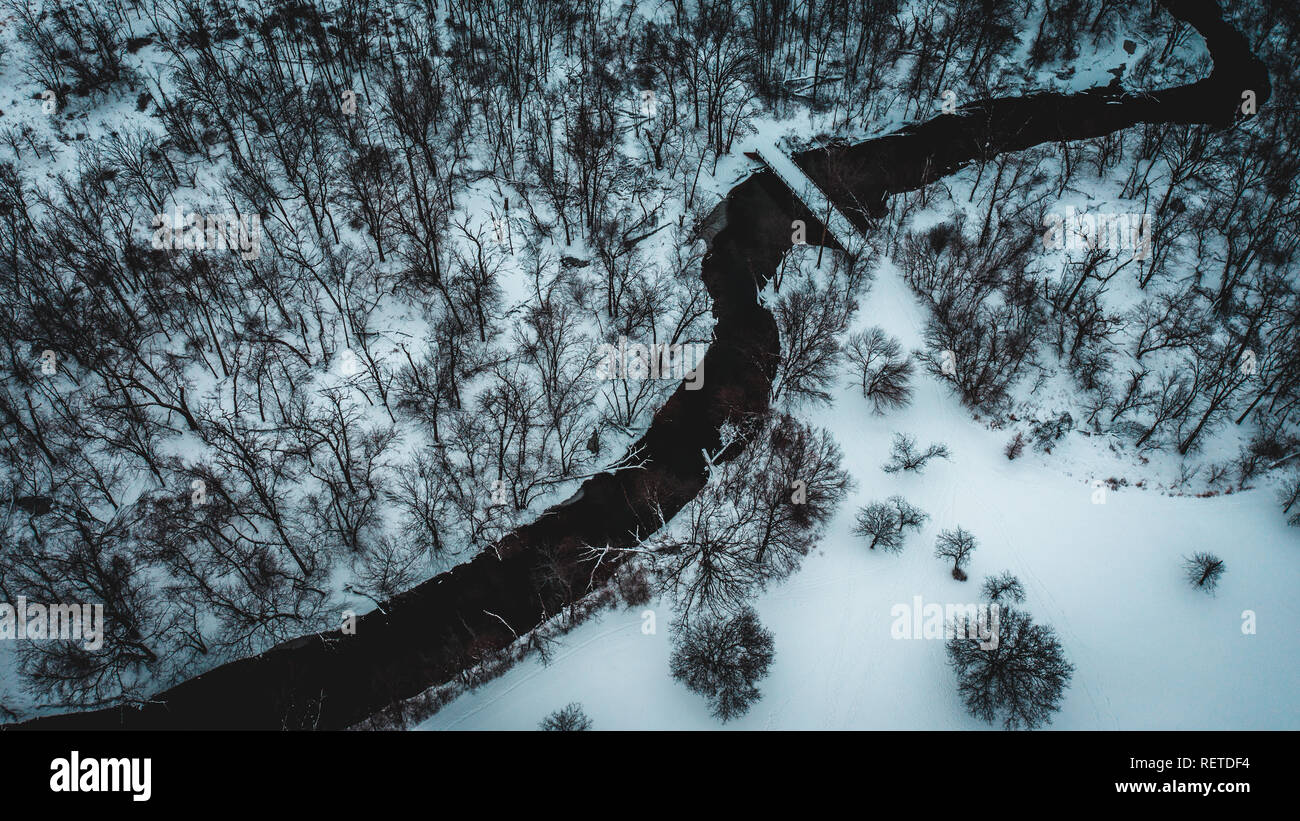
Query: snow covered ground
(1149, 651)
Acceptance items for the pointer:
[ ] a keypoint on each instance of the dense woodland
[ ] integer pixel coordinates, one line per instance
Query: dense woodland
(459, 201)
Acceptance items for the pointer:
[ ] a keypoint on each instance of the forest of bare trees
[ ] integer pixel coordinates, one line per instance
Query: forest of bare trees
(229, 447)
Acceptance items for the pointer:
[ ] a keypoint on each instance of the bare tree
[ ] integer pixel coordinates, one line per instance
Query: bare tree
(956, 545)
(757, 517)
(878, 522)
(884, 523)
(810, 321)
(884, 372)
(1022, 678)
(722, 658)
(904, 455)
(569, 718)
(1003, 587)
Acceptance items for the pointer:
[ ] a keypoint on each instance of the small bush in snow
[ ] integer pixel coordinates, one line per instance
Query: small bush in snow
(634, 586)
(1203, 570)
(1016, 446)
(1047, 432)
(1217, 472)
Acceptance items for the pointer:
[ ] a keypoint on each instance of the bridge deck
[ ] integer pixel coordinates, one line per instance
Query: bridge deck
(810, 194)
